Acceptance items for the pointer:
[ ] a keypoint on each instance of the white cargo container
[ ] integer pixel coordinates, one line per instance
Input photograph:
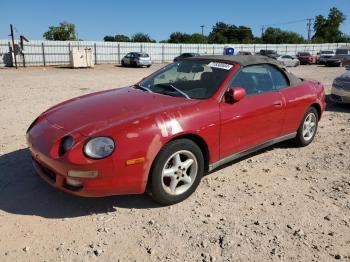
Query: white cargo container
(80, 58)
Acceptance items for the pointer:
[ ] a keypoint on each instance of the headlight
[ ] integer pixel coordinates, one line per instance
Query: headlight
(99, 147)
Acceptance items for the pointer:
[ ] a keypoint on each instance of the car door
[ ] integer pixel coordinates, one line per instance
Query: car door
(255, 119)
(126, 58)
(288, 60)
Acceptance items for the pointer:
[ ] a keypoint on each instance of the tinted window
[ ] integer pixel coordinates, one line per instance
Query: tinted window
(142, 55)
(342, 52)
(259, 79)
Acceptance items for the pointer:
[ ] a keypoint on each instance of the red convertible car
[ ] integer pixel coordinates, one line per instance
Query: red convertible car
(162, 134)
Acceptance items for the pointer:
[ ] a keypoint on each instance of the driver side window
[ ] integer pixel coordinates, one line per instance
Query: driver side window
(254, 79)
(258, 79)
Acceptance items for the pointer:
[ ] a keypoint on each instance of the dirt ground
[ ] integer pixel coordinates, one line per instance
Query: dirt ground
(282, 203)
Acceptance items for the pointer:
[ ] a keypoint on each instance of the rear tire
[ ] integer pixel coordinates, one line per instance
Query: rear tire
(176, 172)
(308, 128)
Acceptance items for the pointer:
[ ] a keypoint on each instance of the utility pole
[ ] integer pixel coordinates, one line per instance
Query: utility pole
(202, 26)
(13, 45)
(309, 20)
(262, 31)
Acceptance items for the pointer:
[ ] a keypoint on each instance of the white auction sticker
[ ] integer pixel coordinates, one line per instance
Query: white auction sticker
(220, 65)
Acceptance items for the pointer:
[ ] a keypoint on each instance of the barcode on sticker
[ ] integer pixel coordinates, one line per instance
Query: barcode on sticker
(220, 65)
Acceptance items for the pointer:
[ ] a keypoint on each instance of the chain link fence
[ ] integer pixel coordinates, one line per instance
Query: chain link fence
(48, 53)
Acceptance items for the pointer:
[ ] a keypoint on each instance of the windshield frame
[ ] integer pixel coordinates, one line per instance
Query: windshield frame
(221, 86)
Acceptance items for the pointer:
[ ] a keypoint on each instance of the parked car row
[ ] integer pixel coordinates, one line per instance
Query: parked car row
(341, 57)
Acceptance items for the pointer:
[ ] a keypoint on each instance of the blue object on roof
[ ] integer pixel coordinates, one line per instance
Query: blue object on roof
(229, 51)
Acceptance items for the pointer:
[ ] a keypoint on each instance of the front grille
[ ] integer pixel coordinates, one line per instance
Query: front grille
(49, 173)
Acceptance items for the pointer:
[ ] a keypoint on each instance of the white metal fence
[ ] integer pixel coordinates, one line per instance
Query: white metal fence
(44, 53)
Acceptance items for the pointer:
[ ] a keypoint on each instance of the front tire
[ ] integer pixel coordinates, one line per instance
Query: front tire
(176, 172)
(308, 128)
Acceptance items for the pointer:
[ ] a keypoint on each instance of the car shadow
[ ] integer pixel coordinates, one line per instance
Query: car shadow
(23, 192)
(282, 145)
(336, 107)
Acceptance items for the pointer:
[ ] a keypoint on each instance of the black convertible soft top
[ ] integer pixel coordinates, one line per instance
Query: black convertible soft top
(247, 60)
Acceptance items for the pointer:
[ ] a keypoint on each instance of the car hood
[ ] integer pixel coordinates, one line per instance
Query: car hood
(95, 112)
(339, 57)
(344, 77)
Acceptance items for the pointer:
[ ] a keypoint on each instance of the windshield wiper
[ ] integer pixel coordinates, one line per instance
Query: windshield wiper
(143, 88)
(175, 88)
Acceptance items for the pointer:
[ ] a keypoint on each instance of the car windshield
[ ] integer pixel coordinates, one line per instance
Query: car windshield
(304, 54)
(188, 79)
(342, 51)
(327, 52)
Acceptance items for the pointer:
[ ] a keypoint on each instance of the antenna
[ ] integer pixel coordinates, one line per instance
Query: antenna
(309, 22)
(202, 26)
(13, 45)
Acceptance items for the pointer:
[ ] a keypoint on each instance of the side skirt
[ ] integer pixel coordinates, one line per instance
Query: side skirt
(251, 150)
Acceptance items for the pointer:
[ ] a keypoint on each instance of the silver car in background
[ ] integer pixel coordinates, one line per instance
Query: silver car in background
(136, 59)
(288, 60)
(340, 92)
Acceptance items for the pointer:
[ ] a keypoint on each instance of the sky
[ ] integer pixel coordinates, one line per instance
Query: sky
(159, 18)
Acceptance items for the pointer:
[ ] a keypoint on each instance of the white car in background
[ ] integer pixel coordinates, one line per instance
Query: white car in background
(137, 59)
(288, 60)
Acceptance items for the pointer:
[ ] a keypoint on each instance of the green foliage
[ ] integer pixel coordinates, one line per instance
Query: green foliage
(327, 30)
(277, 36)
(116, 38)
(223, 33)
(178, 37)
(142, 38)
(65, 31)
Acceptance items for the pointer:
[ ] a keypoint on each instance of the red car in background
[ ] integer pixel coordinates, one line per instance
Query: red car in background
(305, 58)
(162, 134)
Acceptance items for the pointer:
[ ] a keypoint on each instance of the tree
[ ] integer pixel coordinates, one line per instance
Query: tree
(116, 38)
(277, 36)
(142, 38)
(198, 39)
(223, 33)
(178, 37)
(65, 31)
(328, 29)
(109, 38)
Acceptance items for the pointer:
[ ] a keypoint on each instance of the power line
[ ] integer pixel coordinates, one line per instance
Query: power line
(287, 23)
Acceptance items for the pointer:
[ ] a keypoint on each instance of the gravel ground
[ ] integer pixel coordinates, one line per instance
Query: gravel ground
(282, 203)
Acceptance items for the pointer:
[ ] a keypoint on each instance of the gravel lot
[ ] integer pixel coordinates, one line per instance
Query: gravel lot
(283, 203)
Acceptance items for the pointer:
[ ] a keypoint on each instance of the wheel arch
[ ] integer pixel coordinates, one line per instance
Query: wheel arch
(198, 140)
(318, 109)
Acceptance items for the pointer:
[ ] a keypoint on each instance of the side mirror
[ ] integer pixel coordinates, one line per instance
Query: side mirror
(234, 94)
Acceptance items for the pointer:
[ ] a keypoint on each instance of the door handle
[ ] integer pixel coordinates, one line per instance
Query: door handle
(277, 103)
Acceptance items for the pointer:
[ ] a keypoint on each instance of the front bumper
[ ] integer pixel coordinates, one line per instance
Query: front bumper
(114, 177)
(340, 96)
(330, 62)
